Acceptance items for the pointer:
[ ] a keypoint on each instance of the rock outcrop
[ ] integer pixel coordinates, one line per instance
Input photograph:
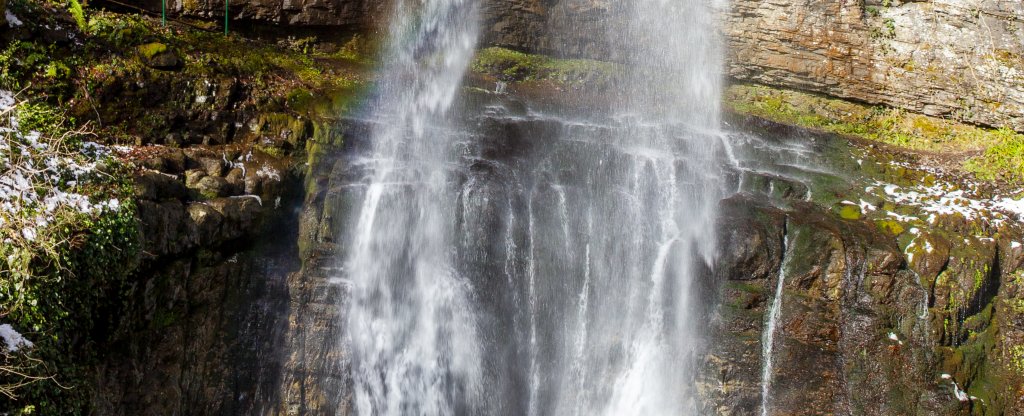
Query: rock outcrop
(205, 304)
(280, 12)
(961, 59)
(873, 319)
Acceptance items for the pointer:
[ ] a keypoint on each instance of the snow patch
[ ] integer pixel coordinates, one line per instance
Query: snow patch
(14, 340)
(946, 199)
(866, 206)
(903, 218)
(37, 183)
(256, 197)
(7, 101)
(268, 172)
(12, 20)
(1015, 206)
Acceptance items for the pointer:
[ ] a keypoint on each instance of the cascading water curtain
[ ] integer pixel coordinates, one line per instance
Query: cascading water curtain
(670, 117)
(564, 280)
(411, 331)
(619, 224)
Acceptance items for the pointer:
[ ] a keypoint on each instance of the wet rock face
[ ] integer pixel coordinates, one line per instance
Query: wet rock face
(750, 249)
(200, 310)
(865, 326)
(314, 374)
(559, 27)
(823, 259)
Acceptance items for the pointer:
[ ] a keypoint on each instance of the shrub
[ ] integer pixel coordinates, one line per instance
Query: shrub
(69, 236)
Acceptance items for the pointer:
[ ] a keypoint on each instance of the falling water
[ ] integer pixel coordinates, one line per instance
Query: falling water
(561, 277)
(768, 337)
(411, 326)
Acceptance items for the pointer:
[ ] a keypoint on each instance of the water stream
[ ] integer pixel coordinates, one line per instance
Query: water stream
(553, 271)
(412, 329)
(768, 335)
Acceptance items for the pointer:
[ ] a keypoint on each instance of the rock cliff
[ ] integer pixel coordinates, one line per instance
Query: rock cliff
(960, 59)
(871, 324)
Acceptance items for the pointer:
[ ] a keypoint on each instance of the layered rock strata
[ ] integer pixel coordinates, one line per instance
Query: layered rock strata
(961, 59)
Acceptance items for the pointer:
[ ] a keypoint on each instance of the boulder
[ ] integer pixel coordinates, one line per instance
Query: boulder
(157, 55)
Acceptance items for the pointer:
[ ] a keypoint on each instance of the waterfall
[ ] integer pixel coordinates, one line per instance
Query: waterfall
(561, 278)
(411, 328)
(768, 338)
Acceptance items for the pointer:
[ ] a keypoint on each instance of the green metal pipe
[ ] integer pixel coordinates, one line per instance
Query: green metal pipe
(226, 5)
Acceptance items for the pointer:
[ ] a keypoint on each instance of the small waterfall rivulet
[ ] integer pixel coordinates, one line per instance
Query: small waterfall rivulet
(552, 273)
(768, 337)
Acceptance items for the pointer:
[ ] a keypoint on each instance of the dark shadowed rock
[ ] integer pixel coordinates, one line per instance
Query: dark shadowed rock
(156, 186)
(159, 56)
(750, 244)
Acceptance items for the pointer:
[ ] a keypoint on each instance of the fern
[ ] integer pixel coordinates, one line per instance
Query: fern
(79, 14)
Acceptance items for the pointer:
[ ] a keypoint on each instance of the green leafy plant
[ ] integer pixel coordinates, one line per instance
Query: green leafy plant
(77, 12)
(69, 242)
(1002, 161)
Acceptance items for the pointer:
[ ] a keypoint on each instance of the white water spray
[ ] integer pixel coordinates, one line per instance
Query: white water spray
(411, 325)
(607, 228)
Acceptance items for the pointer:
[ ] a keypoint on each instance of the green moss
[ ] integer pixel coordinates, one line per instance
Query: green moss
(890, 226)
(512, 65)
(1003, 157)
(271, 150)
(358, 49)
(975, 365)
(1016, 304)
(151, 50)
(1002, 161)
(1017, 358)
(849, 212)
(979, 278)
(745, 287)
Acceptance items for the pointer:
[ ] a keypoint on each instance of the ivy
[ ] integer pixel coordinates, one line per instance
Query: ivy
(70, 240)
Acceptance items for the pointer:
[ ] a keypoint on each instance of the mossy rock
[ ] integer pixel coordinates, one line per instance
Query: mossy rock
(157, 55)
(849, 212)
(512, 65)
(890, 226)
